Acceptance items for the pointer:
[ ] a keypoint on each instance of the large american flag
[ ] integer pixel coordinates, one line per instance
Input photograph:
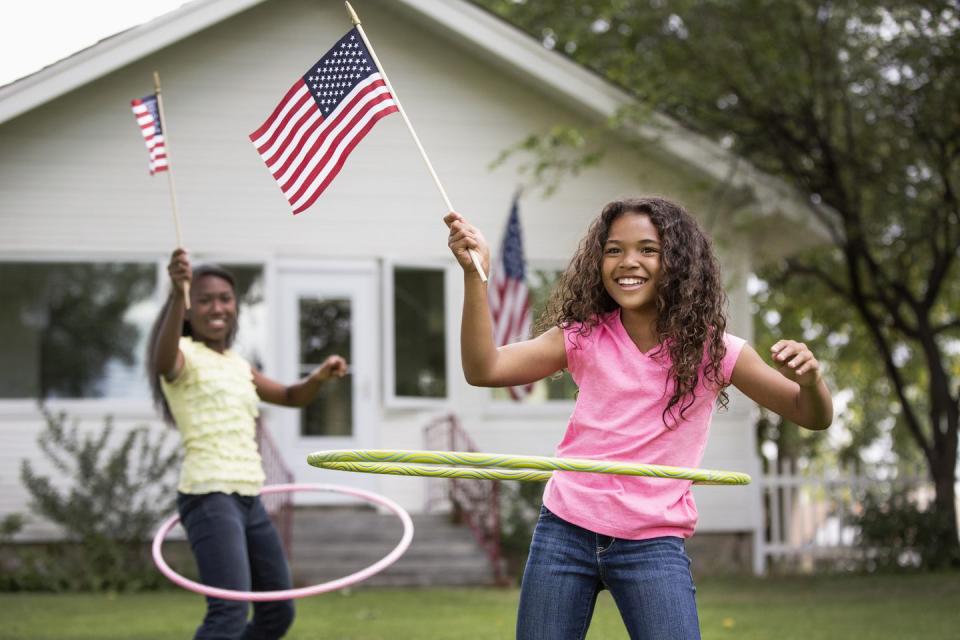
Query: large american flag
(509, 295)
(319, 121)
(148, 118)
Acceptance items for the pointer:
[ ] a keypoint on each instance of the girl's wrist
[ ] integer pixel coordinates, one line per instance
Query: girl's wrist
(473, 274)
(814, 383)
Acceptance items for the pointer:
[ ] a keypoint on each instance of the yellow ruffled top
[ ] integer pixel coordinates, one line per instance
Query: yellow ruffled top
(214, 403)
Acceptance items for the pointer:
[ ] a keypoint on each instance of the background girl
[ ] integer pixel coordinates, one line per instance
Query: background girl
(639, 320)
(211, 394)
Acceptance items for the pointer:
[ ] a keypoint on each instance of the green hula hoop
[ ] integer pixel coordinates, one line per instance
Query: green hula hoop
(494, 466)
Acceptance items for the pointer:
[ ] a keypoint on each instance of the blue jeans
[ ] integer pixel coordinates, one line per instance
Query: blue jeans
(568, 566)
(236, 547)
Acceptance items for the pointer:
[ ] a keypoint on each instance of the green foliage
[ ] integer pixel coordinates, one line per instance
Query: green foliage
(10, 526)
(789, 308)
(896, 533)
(105, 500)
(11, 563)
(519, 509)
(554, 156)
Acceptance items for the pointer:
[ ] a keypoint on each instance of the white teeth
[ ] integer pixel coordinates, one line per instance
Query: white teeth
(628, 281)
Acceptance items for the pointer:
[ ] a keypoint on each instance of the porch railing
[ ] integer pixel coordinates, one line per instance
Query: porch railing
(278, 505)
(474, 502)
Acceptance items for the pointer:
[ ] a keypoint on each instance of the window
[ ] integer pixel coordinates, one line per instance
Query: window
(75, 330)
(557, 387)
(415, 334)
(79, 330)
(420, 333)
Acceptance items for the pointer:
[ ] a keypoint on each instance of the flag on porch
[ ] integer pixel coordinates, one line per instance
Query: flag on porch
(148, 118)
(508, 293)
(320, 120)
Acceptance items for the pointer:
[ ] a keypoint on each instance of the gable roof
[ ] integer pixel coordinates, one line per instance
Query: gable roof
(482, 32)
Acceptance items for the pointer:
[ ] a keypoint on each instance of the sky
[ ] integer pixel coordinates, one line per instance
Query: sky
(36, 33)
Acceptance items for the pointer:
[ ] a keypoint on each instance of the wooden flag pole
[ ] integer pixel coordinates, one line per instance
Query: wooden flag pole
(356, 22)
(173, 191)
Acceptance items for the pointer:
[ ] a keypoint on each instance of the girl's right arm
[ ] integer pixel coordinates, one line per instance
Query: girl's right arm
(167, 356)
(484, 364)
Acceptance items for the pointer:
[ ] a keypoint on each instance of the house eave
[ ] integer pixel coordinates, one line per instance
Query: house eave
(496, 40)
(112, 53)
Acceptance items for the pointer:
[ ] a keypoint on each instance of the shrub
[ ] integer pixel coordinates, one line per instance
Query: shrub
(896, 533)
(519, 507)
(106, 501)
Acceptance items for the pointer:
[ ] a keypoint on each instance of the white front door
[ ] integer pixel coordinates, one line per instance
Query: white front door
(328, 308)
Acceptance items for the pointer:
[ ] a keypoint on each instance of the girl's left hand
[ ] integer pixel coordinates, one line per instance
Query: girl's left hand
(332, 367)
(796, 362)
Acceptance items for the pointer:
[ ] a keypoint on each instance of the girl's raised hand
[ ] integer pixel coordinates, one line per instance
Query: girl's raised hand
(464, 237)
(796, 362)
(179, 270)
(332, 367)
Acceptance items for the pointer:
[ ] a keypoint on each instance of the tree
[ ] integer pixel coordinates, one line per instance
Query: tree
(855, 104)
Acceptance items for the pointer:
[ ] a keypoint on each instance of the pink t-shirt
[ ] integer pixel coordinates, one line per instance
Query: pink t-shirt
(618, 416)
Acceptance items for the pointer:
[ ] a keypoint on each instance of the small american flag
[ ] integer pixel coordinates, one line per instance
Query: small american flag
(319, 121)
(148, 117)
(509, 295)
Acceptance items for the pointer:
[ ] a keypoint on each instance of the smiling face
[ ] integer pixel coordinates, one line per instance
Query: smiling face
(631, 263)
(213, 310)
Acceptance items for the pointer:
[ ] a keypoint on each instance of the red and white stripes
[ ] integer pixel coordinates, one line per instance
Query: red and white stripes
(152, 134)
(510, 310)
(305, 150)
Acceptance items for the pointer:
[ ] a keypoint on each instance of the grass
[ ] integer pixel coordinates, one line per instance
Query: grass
(814, 608)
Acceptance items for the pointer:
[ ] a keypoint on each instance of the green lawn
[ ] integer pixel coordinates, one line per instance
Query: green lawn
(869, 607)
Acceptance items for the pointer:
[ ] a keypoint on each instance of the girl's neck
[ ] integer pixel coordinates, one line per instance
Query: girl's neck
(213, 345)
(641, 326)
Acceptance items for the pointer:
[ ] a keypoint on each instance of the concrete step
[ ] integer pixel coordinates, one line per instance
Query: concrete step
(332, 542)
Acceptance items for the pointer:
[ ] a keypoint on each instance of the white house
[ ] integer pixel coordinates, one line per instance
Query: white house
(366, 268)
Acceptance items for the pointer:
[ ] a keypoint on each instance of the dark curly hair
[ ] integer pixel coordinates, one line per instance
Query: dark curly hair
(691, 303)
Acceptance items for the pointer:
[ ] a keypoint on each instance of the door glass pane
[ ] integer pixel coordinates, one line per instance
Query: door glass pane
(325, 329)
(420, 334)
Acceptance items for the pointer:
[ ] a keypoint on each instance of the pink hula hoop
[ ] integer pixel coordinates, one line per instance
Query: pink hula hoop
(302, 592)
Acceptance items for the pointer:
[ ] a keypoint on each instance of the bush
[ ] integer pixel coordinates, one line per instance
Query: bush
(109, 505)
(519, 508)
(897, 533)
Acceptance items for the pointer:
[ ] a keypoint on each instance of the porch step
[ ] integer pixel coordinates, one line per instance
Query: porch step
(332, 542)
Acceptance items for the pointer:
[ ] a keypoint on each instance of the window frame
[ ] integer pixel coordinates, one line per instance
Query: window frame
(388, 266)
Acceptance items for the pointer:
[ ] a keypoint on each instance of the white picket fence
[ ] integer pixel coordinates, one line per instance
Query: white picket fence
(810, 519)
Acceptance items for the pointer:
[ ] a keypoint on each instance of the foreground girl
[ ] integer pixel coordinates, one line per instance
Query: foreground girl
(638, 319)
